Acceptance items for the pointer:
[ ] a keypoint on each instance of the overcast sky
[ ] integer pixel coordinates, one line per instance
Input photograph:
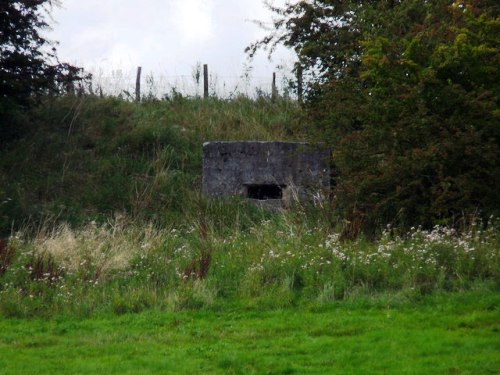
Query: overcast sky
(165, 37)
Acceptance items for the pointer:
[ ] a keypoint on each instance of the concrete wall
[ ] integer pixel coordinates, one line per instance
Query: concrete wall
(258, 169)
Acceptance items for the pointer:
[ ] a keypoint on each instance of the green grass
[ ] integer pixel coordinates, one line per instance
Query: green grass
(86, 157)
(441, 334)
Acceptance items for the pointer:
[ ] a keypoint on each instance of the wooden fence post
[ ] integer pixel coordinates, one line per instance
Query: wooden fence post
(274, 91)
(138, 85)
(205, 80)
(299, 83)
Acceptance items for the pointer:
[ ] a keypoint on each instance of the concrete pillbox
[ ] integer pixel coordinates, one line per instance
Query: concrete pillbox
(265, 171)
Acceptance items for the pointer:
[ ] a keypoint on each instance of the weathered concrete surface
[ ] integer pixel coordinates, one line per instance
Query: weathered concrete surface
(299, 170)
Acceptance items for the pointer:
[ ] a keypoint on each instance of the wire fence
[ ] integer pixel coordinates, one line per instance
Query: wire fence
(134, 85)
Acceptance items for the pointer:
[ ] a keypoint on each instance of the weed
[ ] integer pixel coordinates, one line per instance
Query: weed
(7, 254)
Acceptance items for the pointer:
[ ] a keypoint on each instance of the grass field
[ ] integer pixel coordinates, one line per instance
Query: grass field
(440, 334)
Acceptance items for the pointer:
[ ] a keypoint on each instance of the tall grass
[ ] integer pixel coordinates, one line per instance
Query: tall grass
(267, 260)
(87, 157)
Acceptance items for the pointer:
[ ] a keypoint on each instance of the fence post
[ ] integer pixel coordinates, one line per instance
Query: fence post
(205, 80)
(138, 85)
(274, 91)
(299, 83)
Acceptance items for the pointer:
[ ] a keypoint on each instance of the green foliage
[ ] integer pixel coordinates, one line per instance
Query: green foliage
(324, 34)
(407, 95)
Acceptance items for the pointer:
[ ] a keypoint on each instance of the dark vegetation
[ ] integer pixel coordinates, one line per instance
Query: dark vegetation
(407, 94)
(29, 67)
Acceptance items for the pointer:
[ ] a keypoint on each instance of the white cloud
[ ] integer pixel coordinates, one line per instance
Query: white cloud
(165, 37)
(194, 20)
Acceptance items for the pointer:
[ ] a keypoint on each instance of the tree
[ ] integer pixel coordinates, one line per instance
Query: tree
(29, 67)
(407, 93)
(325, 34)
(432, 123)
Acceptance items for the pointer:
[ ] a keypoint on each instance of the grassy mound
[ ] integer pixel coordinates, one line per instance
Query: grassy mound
(87, 158)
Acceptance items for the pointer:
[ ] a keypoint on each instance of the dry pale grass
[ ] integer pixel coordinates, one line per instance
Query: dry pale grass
(105, 248)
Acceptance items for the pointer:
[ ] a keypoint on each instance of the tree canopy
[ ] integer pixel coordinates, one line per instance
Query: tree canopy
(407, 93)
(28, 62)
